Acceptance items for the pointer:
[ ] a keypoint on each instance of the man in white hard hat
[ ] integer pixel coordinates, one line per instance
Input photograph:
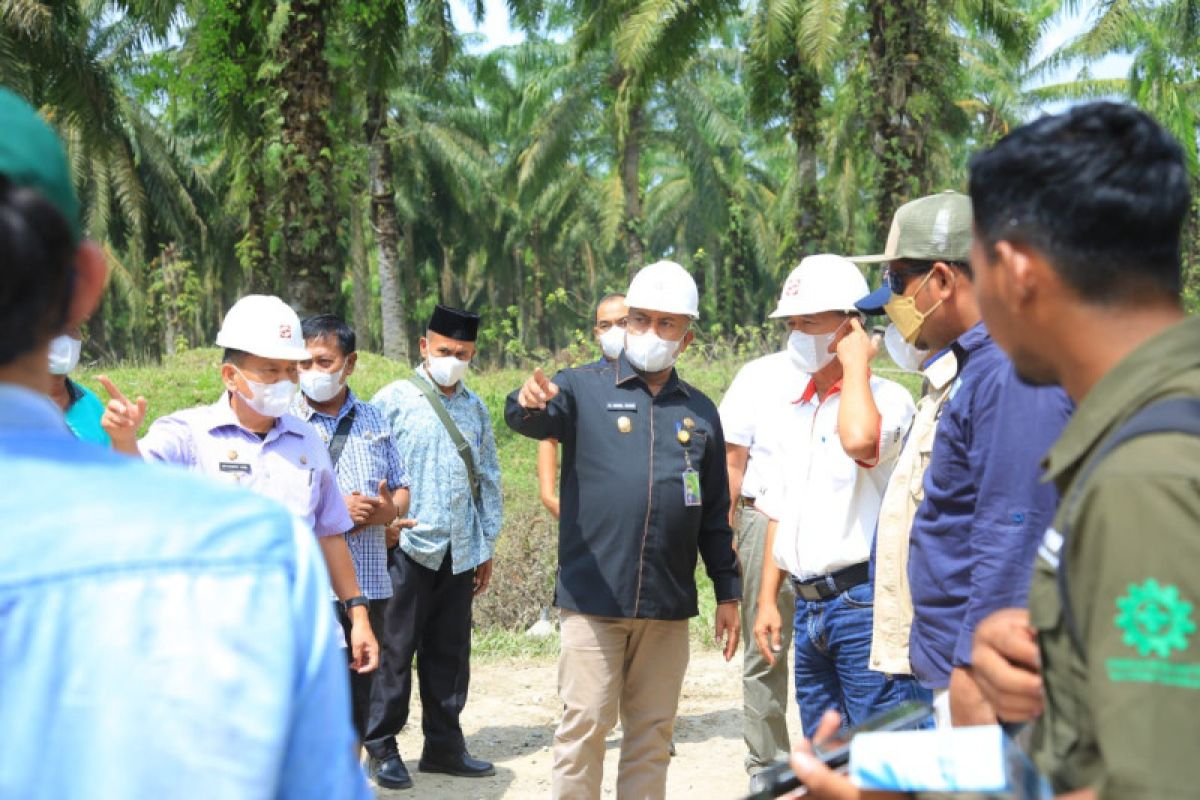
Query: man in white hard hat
(761, 389)
(629, 536)
(248, 438)
(840, 438)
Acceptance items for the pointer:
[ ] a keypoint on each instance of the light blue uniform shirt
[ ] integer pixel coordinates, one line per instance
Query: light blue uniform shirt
(160, 635)
(441, 492)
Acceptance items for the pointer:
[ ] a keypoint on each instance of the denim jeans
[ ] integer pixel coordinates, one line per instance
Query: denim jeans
(832, 657)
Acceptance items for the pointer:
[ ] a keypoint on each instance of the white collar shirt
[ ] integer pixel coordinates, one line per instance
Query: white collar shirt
(761, 388)
(826, 504)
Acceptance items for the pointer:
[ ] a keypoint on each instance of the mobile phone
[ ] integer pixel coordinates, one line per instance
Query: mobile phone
(834, 751)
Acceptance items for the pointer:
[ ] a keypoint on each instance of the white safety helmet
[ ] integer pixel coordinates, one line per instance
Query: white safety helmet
(264, 326)
(821, 283)
(664, 286)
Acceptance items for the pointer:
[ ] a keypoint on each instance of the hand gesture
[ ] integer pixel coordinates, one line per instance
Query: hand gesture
(728, 628)
(767, 627)
(361, 507)
(483, 576)
(855, 349)
(392, 533)
(820, 782)
(122, 418)
(1007, 665)
(364, 649)
(537, 391)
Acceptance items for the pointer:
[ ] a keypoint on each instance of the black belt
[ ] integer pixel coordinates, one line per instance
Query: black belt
(833, 584)
(746, 502)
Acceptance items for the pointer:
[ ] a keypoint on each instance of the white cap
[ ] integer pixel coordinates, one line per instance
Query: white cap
(821, 283)
(664, 286)
(264, 326)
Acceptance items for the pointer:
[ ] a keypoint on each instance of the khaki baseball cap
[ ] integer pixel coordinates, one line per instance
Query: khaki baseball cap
(933, 228)
(32, 155)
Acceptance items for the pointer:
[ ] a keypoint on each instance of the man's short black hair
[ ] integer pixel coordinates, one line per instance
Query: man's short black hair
(1100, 190)
(37, 270)
(234, 356)
(608, 297)
(324, 326)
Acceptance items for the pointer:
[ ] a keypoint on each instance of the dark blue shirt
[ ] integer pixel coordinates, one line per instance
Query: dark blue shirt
(976, 533)
(628, 539)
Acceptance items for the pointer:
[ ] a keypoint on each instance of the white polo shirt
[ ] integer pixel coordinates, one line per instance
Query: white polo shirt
(762, 387)
(825, 502)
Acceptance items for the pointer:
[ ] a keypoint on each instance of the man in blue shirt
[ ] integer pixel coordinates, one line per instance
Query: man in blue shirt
(160, 635)
(370, 473)
(444, 561)
(975, 534)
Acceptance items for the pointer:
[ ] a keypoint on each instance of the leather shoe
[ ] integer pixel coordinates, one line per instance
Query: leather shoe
(760, 782)
(462, 766)
(390, 773)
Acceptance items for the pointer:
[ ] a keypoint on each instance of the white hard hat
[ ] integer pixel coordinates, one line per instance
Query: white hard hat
(821, 283)
(265, 326)
(664, 286)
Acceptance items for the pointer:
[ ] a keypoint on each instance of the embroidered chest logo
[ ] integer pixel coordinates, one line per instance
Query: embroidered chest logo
(1155, 619)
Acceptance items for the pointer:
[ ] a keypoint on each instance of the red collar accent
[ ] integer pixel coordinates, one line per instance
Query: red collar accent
(811, 390)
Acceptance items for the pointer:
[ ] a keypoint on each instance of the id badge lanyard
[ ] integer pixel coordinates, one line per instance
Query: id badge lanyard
(691, 478)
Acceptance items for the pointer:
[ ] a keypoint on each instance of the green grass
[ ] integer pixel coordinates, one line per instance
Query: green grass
(523, 582)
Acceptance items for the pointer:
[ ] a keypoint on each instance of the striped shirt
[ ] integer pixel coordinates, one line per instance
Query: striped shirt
(369, 456)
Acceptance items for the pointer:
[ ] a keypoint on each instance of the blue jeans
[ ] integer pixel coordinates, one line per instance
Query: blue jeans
(833, 649)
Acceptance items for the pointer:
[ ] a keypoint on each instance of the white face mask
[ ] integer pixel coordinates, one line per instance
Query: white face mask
(612, 342)
(64, 354)
(810, 353)
(906, 356)
(270, 399)
(321, 386)
(446, 370)
(648, 353)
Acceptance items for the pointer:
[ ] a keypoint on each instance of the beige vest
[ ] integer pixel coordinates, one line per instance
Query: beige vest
(904, 493)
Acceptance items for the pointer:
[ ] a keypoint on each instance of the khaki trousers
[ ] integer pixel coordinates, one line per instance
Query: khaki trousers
(764, 686)
(607, 666)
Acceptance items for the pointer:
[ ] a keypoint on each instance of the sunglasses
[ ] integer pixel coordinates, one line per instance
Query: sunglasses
(897, 279)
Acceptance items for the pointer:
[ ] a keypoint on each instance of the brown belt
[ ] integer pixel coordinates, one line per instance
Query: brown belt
(746, 502)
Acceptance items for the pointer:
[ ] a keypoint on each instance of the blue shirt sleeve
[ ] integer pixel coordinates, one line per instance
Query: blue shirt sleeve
(1013, 426)
(320, 758)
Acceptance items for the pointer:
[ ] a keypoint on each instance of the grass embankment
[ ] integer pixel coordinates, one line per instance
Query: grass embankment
(525, 557)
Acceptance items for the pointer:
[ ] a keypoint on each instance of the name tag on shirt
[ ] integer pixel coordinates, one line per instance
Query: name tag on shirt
(622, 406)
(235, 466)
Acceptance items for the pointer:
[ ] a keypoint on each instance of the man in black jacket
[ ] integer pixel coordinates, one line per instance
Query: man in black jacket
(629, 536)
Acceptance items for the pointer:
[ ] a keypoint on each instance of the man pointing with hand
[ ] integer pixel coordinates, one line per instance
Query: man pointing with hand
(248, 438)
(629, 538)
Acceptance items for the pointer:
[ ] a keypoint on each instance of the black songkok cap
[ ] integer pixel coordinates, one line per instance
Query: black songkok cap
(454, 323)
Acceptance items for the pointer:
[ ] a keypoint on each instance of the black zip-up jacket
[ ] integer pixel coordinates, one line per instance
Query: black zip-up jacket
(627, 541)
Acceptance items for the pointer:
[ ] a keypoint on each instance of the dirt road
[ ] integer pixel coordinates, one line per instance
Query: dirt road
(513, 709)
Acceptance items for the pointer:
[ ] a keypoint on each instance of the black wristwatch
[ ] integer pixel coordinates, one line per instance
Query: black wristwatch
(359, 600)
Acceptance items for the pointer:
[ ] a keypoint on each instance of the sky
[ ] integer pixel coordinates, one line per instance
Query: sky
(496, 32)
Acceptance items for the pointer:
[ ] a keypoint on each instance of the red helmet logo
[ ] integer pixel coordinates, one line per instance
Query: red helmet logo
(285, 331)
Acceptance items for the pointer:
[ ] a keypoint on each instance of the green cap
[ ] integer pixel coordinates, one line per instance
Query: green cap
(32, 155)
(933, 228)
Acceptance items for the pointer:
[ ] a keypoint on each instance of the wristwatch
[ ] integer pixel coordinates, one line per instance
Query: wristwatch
(358, 600)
